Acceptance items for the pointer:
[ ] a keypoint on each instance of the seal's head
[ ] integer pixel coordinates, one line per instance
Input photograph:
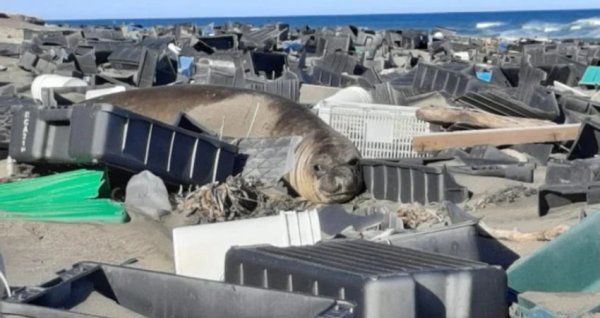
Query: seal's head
(328, 170)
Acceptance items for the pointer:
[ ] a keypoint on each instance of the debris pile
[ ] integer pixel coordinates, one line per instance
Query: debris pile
(313, 172)
(236, 198)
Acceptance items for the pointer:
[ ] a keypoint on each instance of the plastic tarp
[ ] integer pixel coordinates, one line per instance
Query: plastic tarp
(67, 197)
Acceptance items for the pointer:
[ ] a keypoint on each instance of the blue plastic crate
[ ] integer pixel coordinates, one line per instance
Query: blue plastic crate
(591, 76)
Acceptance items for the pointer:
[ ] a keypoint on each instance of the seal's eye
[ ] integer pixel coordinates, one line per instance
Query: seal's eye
(353, 162)
(317, 168)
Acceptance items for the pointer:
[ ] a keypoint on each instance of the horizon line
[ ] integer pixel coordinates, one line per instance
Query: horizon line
(317, 15)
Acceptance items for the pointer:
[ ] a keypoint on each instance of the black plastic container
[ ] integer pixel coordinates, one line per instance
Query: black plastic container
(101, 133)
(409, 182)
(154, 294)
(384, 281)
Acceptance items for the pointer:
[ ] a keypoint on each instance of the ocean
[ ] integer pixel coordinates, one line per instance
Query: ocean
(551, 24)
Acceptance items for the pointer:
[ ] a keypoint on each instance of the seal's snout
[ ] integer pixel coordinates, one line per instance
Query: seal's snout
(342, 183)
(329, 170)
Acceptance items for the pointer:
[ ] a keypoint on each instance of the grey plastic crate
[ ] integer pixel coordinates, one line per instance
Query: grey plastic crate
(288, 88)
(52, 38)
(587, 144)
(384, 281)
(154, 294)
(147, 68)
(498, 102)
(8, 105)
(85, 57)
(126, 57)
(223, 42)
(101, 133)
(409, 182)
(431, 78)
(462, 238)
(569, 182)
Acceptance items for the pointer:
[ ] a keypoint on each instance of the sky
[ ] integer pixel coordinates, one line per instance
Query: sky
(119, 9)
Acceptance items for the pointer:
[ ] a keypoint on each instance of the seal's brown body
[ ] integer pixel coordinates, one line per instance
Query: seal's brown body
(327, 163)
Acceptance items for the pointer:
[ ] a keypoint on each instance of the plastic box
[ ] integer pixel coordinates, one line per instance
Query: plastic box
(591, 77)
(464, 240)
(154, 294)
(8, 105)
(430, 78)
(101, 133)
(568, 263)
(587, 144)
(200, 250)
(408, 183)
(384, 281)
(377, 131)
(568, 182)
(223, 42)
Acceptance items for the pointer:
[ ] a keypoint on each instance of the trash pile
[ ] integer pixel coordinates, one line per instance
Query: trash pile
(307, 172)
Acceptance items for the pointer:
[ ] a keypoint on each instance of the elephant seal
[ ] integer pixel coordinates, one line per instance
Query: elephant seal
(327, 164)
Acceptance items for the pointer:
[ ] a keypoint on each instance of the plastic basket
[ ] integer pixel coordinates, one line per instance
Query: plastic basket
(378, 131)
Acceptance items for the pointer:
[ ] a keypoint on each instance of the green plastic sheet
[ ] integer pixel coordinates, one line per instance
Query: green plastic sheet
(67, 197)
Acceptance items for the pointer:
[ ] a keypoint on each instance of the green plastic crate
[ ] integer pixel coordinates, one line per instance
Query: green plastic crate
(569, 263)
(591, 76)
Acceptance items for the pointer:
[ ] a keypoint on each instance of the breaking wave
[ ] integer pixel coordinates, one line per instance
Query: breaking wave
(585, 23)
(488, 25)
(582, 28)
(543, 27)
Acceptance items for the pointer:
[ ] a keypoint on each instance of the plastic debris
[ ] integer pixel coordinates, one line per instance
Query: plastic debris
(353, 266)
(561, 265)
(123, 285)
(591, 76)
(67, 197)
(147, 194)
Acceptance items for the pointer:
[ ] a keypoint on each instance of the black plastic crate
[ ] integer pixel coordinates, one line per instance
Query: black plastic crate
(384, 281)
(431, 78)
(101, 133)
(463, 238)
(8, 105)
(154, 294)
(587, 144)
(569, 182)
(271, 64)
(408, 182)
(223, 42)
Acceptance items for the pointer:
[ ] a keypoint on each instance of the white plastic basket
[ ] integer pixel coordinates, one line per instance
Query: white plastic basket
(378, 131)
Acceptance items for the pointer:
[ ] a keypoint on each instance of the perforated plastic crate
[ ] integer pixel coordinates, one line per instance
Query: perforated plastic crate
(378, 131)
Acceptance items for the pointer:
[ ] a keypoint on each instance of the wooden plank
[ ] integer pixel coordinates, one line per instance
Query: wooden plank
(447, 115)
(496, 137)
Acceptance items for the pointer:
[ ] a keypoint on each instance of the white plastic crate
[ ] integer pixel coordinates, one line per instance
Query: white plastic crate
(378, 131)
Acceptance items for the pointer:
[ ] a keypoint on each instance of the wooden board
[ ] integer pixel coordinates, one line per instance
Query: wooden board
(496, 137)
(447, 115)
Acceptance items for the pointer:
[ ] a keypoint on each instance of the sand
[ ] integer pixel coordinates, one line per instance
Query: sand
(566, 304)
(34, 251)
(11, 29)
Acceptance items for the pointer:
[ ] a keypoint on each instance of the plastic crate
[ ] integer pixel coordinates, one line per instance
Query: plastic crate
(568, 263)
(384, 281)
(154, 294)
(378, 131)
(408, 183)
(102, 133)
